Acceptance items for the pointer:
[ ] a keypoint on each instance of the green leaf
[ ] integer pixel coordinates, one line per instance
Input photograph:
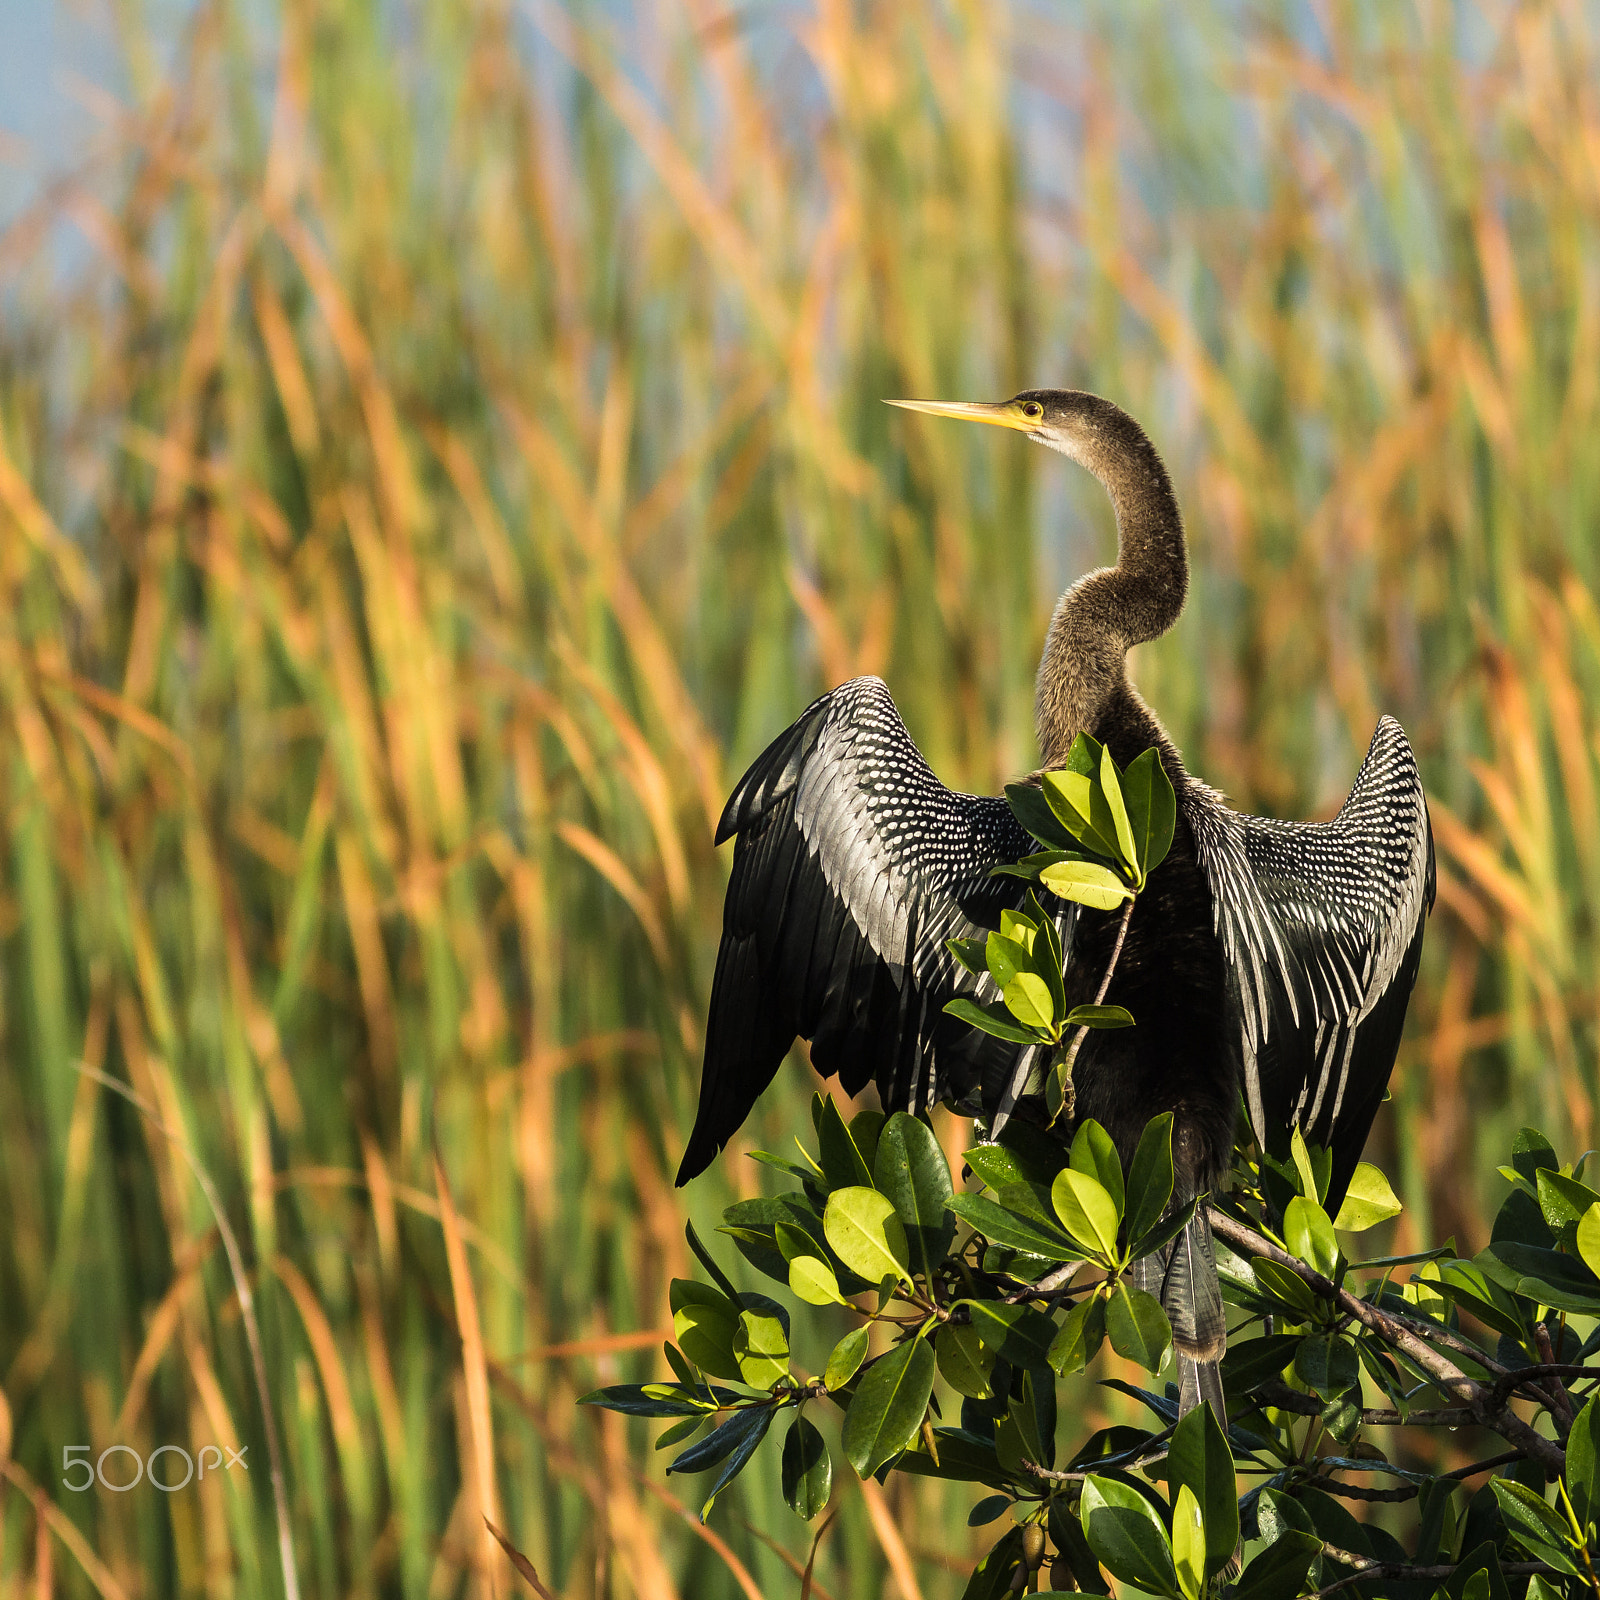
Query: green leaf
(1284, 1286)
(761, 1347)
(1200, 1461)
(807, 1469)
(744, 1447)
(814, 1282)
(1530, 1151)
(1030, 866)
(1080, 807)
(1279, 1572)
(1048, 961)
(681, 1366)
(1001, 1225)
(1087, 1211)
(911, 1170)
(1082, 1571)
(965, 1362)
(1038, 1154)
(1465, 1283)
(865, 1126)
(1087, 882)
(632, 1400)
(1583, 1464)
(1546, 1276)
(991, 1578)
(1017, 1436)
(1099, 1017)
(991, 1018)
(1083, 1330)
(1309, 1235)
(709, 1262)
(1018, 1333)
(1032, 810)
(1150, 1177)
(793, 1241)
(1188, 1541)
(963, 1458)
(1563, 1200)
(1006, 958)
(1127, 1536)
(1152, 809)
(679, 1431)
(846, 1359)
(1084, 754)
(1027, 998)
(888, 1406)
(1111, 788)
(1167, 1227)
(703, 1325)
(1534, 1524)
(1589, 1239)
(1020, 928)
(1094, 1153)
(1250, 1362)
(1138, 1327)
(866, 1234)
(1327, 1364)
(987, 1509)
(1314, 1170)
(733, 1443)
(973, 954)
(843, 1164)
(1278, 1513)
(1368, 1200)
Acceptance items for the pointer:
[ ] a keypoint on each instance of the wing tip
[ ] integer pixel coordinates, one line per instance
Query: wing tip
(698, 1154)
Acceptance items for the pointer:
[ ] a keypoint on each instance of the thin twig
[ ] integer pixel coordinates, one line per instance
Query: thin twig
(247, 1314)
(1408, 1491)
(1449, 1377)
(1105, 983)
(1554, 1392)
(1153, 1448)
(1046, 1286)
(1543, 1369)
(1445, 1417)
(1367, 1569)
(1281, 1397)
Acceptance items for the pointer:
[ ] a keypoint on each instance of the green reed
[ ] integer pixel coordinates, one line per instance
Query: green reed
(451, 471)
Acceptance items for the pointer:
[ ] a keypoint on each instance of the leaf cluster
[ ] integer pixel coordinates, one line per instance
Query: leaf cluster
(966, 1305)
(1104, 830)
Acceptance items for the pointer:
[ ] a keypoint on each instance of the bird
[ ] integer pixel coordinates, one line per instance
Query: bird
(1268, 964)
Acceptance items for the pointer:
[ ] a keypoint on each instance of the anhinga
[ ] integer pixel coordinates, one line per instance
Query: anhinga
(1276, 958)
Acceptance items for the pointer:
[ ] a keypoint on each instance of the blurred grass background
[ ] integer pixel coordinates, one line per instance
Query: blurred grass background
(460, 450)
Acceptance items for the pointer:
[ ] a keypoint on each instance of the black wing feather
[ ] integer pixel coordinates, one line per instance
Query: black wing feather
(1321, 925)
(853, 866)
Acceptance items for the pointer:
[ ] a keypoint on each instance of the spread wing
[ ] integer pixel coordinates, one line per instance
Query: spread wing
(853, 866)
(1321, 924)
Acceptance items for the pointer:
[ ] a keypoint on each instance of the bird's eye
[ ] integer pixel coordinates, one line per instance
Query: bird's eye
(1033, 409)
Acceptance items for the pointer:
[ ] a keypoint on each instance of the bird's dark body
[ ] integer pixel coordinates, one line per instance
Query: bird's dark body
(1264, 961)
(1170, 977)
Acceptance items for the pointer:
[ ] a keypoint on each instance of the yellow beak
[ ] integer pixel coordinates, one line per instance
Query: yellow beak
(1002, 414)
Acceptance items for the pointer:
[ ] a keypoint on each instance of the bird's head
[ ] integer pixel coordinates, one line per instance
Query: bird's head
(1076, 423)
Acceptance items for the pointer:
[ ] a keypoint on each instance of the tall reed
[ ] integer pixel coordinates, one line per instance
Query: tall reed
(453, 466)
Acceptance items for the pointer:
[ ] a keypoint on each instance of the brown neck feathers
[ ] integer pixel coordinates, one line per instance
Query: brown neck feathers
(1106, 612)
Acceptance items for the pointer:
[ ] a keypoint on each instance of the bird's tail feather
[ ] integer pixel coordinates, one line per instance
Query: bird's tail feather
(1182, 1275)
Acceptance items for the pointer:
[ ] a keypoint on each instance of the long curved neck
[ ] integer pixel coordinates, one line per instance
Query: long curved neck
(1084, 667)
